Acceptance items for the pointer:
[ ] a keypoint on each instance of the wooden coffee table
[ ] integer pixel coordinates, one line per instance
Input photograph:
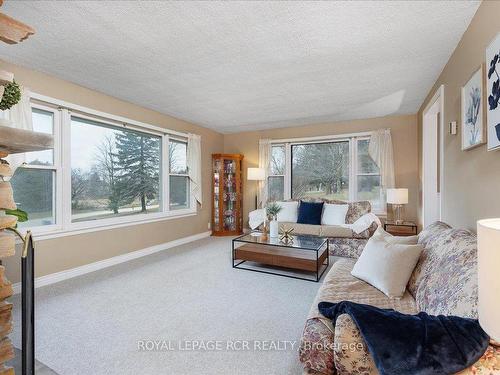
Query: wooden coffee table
(304, 253)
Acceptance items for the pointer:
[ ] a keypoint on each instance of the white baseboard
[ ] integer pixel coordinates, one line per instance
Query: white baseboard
(91, 267)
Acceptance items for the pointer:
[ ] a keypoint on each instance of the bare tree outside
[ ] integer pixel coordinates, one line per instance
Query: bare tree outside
(321, 170)
(276, 181)
(78, 186)
(178, 182)
(107, 165)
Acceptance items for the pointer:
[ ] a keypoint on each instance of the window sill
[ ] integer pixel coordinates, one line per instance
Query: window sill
(46, 233)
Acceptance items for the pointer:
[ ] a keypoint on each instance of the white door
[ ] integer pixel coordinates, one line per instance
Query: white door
(432, 162)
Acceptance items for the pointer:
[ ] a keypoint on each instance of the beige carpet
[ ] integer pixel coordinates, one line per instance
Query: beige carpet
(94, 324)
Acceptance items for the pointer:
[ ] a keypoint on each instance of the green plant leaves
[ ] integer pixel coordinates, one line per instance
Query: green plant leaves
(11, 95)
(21, 215)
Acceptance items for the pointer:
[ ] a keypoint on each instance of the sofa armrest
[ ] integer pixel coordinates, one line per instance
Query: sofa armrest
(350, 354)
(315, 350)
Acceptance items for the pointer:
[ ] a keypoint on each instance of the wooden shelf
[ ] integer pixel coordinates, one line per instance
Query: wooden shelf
(14, 141)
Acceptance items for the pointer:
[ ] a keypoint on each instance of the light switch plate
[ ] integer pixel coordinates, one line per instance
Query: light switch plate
(453, 128)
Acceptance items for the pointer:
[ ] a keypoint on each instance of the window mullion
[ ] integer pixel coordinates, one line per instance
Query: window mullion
(66, 168)
(288, 171)
(353, 181)
(57, 130)
(165, 200)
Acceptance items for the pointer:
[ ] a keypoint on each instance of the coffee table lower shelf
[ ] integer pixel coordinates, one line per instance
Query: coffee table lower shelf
(291, 259)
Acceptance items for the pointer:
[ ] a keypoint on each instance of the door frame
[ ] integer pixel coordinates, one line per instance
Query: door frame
(439, 98)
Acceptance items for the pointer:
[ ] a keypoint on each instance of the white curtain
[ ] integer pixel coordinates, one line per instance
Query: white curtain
(20, 117)
(194, 166)
(264, 160)
(380, 150)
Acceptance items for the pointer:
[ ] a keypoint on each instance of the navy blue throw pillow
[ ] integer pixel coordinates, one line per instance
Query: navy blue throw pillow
(310, 213)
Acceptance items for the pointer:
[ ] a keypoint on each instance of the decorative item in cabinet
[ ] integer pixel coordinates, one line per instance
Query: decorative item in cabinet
(227, 195)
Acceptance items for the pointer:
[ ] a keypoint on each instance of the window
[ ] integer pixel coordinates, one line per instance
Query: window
(340, 168)
(276, 179)
(34, 184)
(104, 170)
(179, 179)
(367, 177)
(320, 170)
(114, 171)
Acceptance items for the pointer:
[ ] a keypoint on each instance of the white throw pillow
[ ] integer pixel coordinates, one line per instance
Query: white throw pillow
(334, 214)
(387, 266)
(381, 234)
(289, 211)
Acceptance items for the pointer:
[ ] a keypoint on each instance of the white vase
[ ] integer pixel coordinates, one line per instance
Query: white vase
(273, 228)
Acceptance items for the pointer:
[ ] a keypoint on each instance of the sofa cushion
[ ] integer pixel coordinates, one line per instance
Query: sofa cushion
(335, 231)
(310, 213)
(445, 279)
(299, 228)
(381, 234)
(387, 266)
(356, 210)
(289, 211)
(340, 285)
(334, 214)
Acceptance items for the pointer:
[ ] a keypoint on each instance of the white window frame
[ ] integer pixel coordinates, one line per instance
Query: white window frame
(55, 167)
(352, 138)
(191, 198)
(279, 175)
(354, 154)
(63, 111)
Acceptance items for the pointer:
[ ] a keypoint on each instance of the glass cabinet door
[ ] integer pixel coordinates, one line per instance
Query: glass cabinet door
(227, 195)
(230, 195)
(217, 194)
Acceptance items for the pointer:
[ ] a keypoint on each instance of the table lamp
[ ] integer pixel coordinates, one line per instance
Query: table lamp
(488, 266)
(256, 174)
(398, 198)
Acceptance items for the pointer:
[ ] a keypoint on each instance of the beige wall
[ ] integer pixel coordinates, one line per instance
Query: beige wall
(471, 178)
(404, 136)
(68, 252)
(55, 255)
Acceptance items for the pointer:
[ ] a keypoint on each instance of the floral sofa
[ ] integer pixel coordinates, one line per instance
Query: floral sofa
(443, 282)
(343, 241)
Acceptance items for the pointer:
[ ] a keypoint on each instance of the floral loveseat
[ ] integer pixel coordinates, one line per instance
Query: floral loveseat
(343, 241)
(443, 282)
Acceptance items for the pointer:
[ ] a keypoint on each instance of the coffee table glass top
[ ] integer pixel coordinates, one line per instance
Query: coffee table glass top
(304, 242)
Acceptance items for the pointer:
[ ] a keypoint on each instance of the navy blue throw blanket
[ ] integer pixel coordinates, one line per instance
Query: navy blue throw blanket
(419, 344)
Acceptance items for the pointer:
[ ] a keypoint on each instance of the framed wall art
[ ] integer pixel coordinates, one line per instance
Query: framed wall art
(472, 111)
(493, 93)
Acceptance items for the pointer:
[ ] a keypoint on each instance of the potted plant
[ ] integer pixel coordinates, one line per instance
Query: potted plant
(272, 211)
(10, 96)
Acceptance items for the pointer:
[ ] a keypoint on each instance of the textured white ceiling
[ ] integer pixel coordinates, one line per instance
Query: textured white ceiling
(235, 66)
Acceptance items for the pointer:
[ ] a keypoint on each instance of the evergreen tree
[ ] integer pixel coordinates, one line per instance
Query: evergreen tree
(138, 157)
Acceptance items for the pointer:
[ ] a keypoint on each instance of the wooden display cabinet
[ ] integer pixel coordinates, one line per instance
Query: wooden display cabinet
(227, 195)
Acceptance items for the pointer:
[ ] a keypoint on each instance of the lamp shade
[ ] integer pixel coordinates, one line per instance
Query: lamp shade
(256, 174)
(397, 196)
(488, 266)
